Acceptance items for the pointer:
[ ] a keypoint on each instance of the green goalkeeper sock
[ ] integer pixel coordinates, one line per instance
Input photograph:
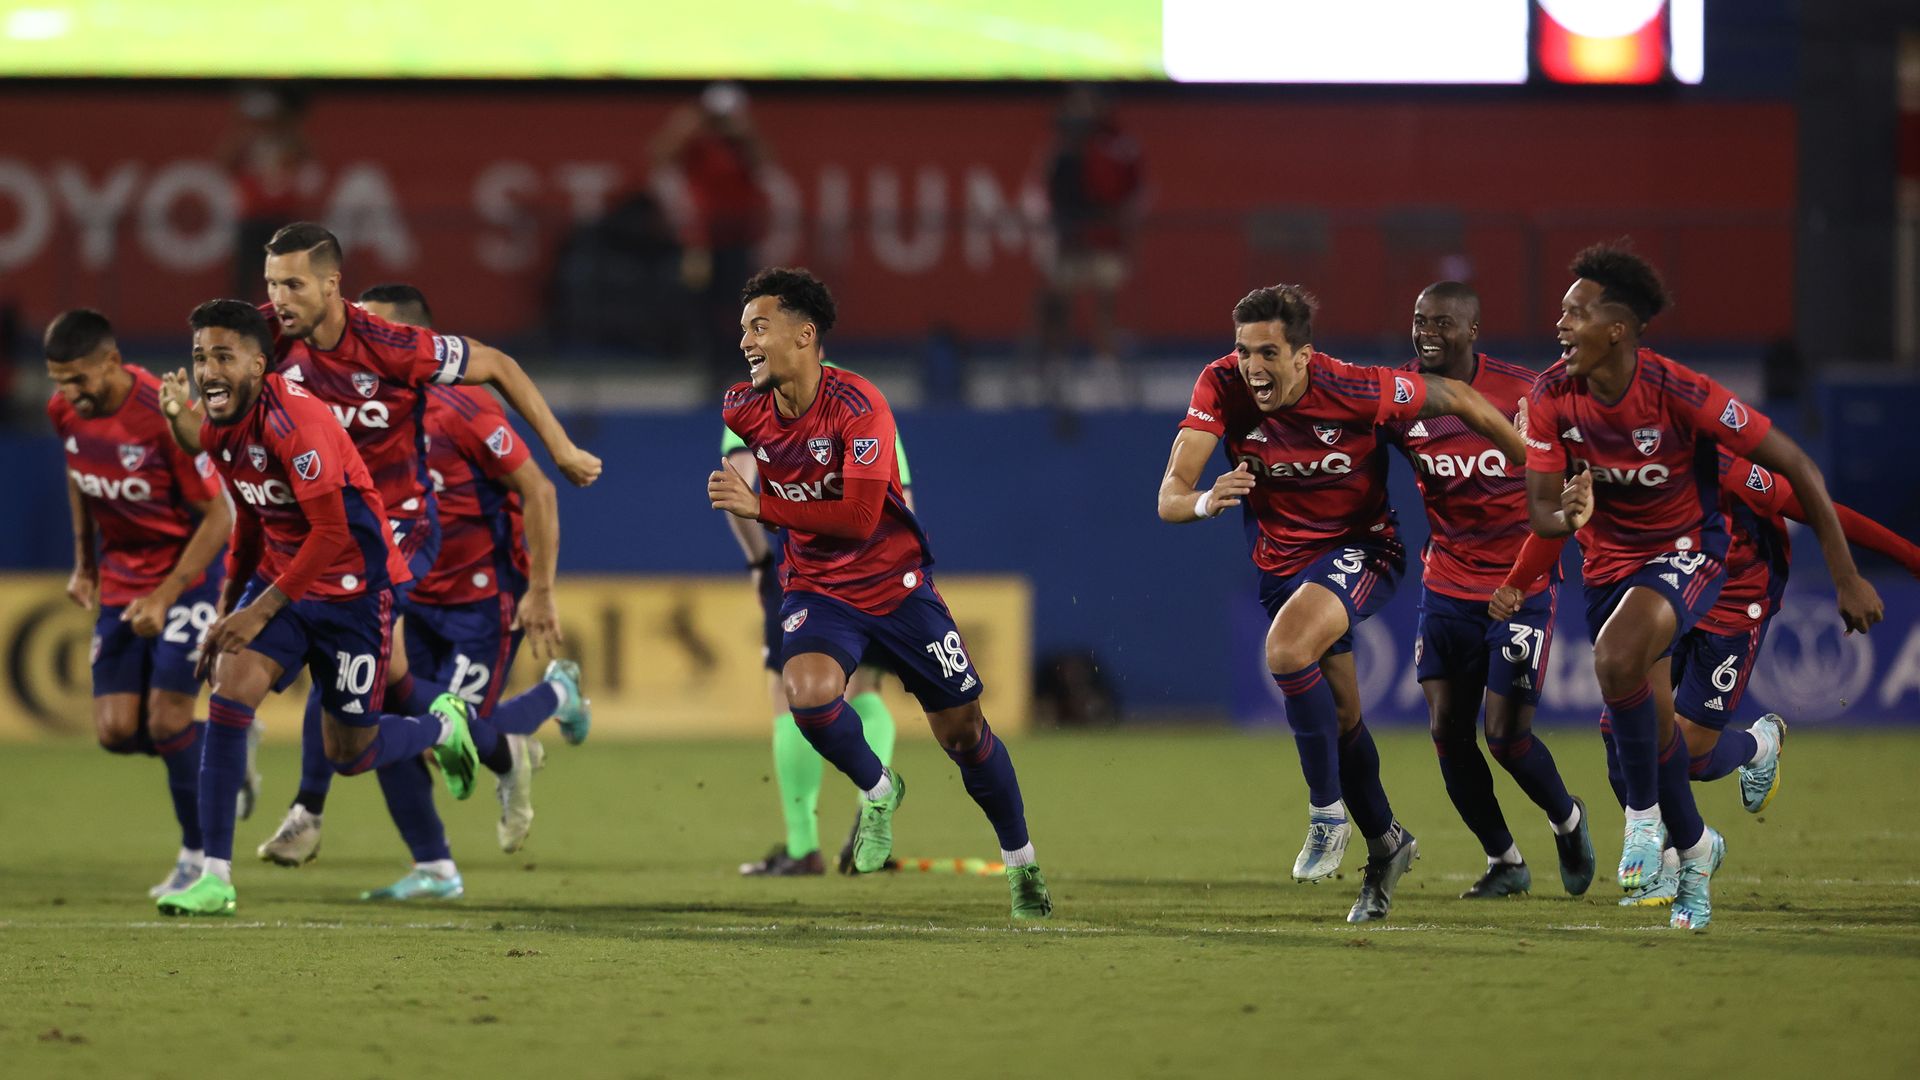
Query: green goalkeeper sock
(876, 723)
(797, 768)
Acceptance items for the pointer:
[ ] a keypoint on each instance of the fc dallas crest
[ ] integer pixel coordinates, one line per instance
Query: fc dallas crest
(821, 449)
(1328, 433)
(366, 382)
(132, 456)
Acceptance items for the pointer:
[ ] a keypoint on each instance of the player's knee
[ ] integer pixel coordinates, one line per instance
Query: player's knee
(344, 746)
(810, 690)
(117, 729)
(1504, 724)
(168, 715)
(1286, 656)
(958, 730)
(1619, 671)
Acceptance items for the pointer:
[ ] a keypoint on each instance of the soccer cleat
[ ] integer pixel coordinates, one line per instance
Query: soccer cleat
(780, 864)
(1379, 878)
(1640, 852)
(1031, 900)
(1759, 782)
(1693, 902)
(576, 716)
(1661, 890)
(250, 787)
(208, 895)
(873, 842)
(457, 758)
(516, 791)
(844, 863)
(185, 870)
(1327, 838)
(420, 884)
(1501, 879)
(297, 840)
(1577, 861)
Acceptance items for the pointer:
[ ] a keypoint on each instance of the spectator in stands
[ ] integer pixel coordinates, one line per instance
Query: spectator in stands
(274, 175)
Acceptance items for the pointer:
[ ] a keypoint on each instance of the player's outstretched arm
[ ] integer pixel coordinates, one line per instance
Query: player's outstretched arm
(1556, 507)
(1537, 556)
(486, 364)
(176, 404)
(148, 614)
(1451, 397)
(1860, 605)
(539, 614)
(1861, 530)
(84, 585)
(1180, 499)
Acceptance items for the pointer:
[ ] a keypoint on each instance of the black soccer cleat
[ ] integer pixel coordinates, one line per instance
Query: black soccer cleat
(1577, 863)
(780, 864)
(1379, 878)
(1501, 879)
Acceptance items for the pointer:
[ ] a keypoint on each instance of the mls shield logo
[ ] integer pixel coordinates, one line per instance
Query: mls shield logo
(307, 465)
(865, 450)
(1735, 415)
(794, 621)
(257, 455)
(821, 449)
(501, 441)
(1760, 480)
(366, 382)
(1647, 439)
(1402, 390)
(1327, 433)
(132, 456)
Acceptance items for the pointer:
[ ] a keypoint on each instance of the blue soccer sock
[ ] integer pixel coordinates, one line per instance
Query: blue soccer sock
(986, 770)
(408, 788)
(316, 772)
(1614, 780)
(1636, 722)
(1470, 786)
(1360, 783)
(1735, 748)
(413, 695)
(130, 745)
(181, 754)
(834, 730)
(1527, 760)
(1316, 731)
(1677, 808)
(523, 714)
(396, 739)
(223, 768)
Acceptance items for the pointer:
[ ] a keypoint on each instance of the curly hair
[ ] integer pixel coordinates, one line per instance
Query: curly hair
(1290, 305)
(797, 290)
(236, 315)
(1624, 278)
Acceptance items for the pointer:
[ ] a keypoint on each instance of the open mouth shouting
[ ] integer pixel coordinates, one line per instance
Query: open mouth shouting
(1265, 394)
(218, 396)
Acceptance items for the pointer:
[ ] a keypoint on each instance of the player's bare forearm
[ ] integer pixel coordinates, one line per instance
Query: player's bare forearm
(216, 522)
(492, 367)
(84, 558)
(1780, 453)
(1179, 500)
(1544, 511)
(1451, 397)
(751, 537)
(540, 513)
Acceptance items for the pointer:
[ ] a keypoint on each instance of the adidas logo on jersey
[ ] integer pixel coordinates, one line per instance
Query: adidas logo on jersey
(1716, 703)
(1572, 434)
(1525, 683)
(1256, 435)
(1672, 580)
(73, 445)
(1418, 430)
(352, 707)
(1338, 579)
(970, 682)
(294, 374)
(761, 453)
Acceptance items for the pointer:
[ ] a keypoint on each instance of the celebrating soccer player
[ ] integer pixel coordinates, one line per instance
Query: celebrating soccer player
(140, 555)
(857, 579)
(1301, 434)
(308, 585)
(1477, 514)
(1620, 444)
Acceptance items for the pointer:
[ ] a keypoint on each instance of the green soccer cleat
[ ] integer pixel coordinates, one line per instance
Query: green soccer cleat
(576, 716)
(457, 758)
(1031, 900)
(873, 844)
(1759, 783)
(1501, 879)
(207, 896)
(420, 884)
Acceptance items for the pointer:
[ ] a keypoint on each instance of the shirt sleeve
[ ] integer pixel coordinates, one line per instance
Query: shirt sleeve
(413, 356)
(193, 472)
(1207, 410)
(1766, 491)
(1545, 452)
(488, 441)
(1402, 395)
(869, 440)
(316, 464)
(1725, 419)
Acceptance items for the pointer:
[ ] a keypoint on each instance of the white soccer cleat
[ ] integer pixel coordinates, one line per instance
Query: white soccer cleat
(186, 871)
(516, 791)
(1326, 844)
(1759, 783)
(296, 842)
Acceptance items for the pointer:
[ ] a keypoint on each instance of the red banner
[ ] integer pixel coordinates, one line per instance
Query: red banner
(915, 204)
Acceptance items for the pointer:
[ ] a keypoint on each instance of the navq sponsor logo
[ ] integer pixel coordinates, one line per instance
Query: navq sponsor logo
(1331, 465)
(827, 487)
(130, 489)
(1643, 475)
(269, 493)
(1490, 462)
(371, 415)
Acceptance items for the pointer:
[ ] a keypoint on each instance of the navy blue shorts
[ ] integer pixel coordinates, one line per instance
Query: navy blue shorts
(344, 643)
(1363, 575)
(1458, 641)
(1687, 580)
(126, 663)
(771, 598)
(468, 648)
(1710, 673)
(917, 641)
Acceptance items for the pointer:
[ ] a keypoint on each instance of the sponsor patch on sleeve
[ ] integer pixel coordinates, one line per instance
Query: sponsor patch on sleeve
(501, 441)
(1735, 415)
(307, 465)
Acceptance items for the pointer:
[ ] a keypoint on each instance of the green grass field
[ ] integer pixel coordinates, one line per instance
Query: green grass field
(622, 943)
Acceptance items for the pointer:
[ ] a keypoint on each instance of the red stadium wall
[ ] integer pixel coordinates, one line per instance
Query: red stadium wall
(910, 201)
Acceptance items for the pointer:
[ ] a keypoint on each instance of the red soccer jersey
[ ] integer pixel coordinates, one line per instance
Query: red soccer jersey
(1654, 458)
(846, 434)
(373, 380)
(1757, 545)
(288, 451)
(1476, 511)
(1319, 463)
(139, 487)
(483, 547)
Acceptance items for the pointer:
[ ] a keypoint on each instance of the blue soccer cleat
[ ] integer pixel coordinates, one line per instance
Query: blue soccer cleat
(1758, 783)
(420, 884)
(1380, 876)
(1577, 862)
(1693, 905)
(1661, 890)
(1327, 836)
(1640, 852)
(576, 716)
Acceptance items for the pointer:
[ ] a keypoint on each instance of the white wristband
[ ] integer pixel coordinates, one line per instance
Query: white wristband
(1200, 507)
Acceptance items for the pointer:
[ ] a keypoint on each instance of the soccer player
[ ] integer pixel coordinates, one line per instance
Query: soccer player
(140, 555)
(857, 578)
(309, 575)
(1477, 515)
(1301, 433)
(1621, 441)
(797, 768)
(373, 374)
(491, 584)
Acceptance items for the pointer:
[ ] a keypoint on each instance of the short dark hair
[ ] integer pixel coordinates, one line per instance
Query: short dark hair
(797, 290)
(409, 303)
(1291, 305)
(1624, 278)
(1458, 291)
(236, 315)
(309, 237)
(75, 334)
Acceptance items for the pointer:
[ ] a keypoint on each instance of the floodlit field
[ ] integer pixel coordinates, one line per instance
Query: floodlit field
(623, 943)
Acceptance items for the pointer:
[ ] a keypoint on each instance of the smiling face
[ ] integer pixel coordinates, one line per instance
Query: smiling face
(1589, 327)
(1274, 371)
(301, 290)
(94, 384)
(778, 344)
(1444, 330)
(228, 368)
